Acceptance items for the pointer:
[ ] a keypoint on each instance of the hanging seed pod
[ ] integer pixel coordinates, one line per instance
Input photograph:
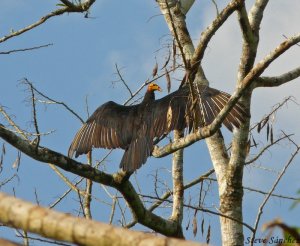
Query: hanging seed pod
(168, 80)
(264, 122)
(195, 226)
(208, 235)
(268, 131)
(154, 71)
(248, 146)
(259, 127)
(253, 140)
(174, 54)
(271, 135)
(202, 226)
(167, 61)
(3, 149)
(188, 225)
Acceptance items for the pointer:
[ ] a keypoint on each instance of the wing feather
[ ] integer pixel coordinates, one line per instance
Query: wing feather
(110, 126)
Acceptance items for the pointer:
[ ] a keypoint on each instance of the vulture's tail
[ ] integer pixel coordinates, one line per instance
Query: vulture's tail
(136, 154)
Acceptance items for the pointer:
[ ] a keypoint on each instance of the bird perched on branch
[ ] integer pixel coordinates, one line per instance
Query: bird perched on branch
(134, 128)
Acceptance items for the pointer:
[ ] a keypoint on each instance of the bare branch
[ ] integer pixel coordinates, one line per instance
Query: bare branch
(245, 24)
(68, 3)
(212, 29)
(147, 82)
(256, 14)
(178, 188)
(177, 37)
(209, 130)
(27, 82)
(216, 6)
(275, 109)
(250, 43)
(199, 208)
(13, 124)
(260, 191)
(4, 182)
(118, 180)
(70, 8)
(167, 194)
(25, 49)
(264, 149)
(123, 81)
(260, 210)
(88, 191)
(61, 226)
(185, 5)
(278, 80)
(34, 115)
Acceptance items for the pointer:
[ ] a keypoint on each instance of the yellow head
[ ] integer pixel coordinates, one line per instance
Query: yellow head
(153, 87)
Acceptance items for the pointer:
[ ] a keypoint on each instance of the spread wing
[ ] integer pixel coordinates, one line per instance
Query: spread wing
(175, 111)
(213, 101)
(110, 126)
(133, 128)
(168, 113)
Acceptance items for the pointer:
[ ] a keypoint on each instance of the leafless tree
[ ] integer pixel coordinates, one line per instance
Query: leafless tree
(183, 57)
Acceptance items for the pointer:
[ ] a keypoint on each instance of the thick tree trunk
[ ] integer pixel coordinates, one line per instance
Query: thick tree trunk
(229, 178)
(229, 174)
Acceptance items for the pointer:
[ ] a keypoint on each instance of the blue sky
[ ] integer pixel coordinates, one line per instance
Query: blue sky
(81, 63)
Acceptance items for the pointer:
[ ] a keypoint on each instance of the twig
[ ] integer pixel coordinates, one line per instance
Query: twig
(54, 101)
(13, 124)
(211, 30)
(88, 191)
(44, 240)
(275, 108)
(68, 9)
(216, 6)
(276, 81)
(122, 79)
(209, 130)
(113, 209)
(25, 49)
(203, 210)
(260, 210)
(7, 180)
(264, 149)
(38, 138)
(261, 192)
(167, 194)
(185, 62)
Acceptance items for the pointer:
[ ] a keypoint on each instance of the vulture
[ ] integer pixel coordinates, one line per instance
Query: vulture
(134, 128)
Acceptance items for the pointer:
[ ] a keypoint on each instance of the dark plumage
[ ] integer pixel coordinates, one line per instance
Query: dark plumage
(133, 128)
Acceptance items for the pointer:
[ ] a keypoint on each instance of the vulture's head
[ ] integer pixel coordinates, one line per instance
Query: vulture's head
(153, 87)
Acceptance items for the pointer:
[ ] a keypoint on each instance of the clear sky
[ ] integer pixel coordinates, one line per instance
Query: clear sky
(133, 34)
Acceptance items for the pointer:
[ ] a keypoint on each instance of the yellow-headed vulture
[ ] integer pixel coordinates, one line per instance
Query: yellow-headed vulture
(134, 128)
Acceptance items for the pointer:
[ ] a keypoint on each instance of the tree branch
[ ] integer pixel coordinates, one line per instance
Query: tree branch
(260, 210)
(209, 130)
(178, 188)
(25, 49)
(278, 80)
(70, 8)
(212, 29)
(118, 180)
(256, 15)
(61, 226)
